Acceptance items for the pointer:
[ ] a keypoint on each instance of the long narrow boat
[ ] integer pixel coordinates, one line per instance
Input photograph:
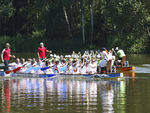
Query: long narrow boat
(125, 68)
(111, 75)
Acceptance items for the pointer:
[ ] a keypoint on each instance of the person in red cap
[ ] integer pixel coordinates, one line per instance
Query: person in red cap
(6, 54)
(41, 51)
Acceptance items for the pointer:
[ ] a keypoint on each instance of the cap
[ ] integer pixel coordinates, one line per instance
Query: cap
(41, 43)
(7, 44)
(116, 48)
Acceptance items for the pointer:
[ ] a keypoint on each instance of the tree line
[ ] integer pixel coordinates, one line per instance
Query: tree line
(66, 25)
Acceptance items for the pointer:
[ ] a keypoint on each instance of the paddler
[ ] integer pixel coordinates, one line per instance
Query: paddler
(48, 71)
(6, 54)
(75, 67)
(93, 67)
(109, 61)
(41, 51)
(16, 64)
(55, 67)
(121, 55)
(103, 64)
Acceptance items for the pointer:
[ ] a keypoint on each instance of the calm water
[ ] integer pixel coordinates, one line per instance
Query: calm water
(71, 95)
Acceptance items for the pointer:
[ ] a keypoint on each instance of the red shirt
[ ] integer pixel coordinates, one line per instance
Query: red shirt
(6, 54)
(41, 52)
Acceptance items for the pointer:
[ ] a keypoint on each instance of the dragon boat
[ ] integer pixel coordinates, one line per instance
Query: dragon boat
(103, 76)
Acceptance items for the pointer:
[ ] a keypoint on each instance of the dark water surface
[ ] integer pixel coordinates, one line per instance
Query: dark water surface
(73, 95)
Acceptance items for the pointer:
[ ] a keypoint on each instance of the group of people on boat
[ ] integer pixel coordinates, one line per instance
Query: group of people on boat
(90, 62)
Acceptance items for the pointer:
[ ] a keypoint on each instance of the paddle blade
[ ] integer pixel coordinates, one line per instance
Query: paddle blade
(36, 68)
(7, 72)
(62, 68)
(29, 69)
(17, 69)
(45, 68)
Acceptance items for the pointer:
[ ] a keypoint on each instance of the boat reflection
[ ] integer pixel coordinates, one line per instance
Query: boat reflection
(61, 93)
(5, 96)
(128, 74)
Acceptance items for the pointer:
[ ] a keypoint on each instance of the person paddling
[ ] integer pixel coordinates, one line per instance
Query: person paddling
(41, 51)
(6, 54)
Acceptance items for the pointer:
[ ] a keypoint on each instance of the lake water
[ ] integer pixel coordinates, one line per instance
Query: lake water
(76, 95)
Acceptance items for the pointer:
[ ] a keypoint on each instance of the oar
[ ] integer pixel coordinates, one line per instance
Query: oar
(62, 68)
(37, 68)
(15, 70)
(29, 69)
(48, 54)
(45, 68)
(32, 68)
(45, 57)
(59, 69)
(7, 72)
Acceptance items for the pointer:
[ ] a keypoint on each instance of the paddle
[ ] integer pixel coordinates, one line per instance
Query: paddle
(7, 72)
(15, 70)
(32, 68)
(45, 68)
(59, 69)
(62, 68)
(37, 68)
(46, 57)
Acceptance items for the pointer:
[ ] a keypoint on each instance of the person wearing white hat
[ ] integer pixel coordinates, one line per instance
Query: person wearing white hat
(6, 54)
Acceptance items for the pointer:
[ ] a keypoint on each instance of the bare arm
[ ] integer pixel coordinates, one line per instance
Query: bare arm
(2, 57)
(38, 54)
(48, 51)
(12, 56)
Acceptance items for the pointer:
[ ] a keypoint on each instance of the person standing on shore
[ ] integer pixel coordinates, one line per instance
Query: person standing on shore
(41, 51)
(6, 54)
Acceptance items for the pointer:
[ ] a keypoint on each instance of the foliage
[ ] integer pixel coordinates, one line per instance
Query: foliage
(58, 23)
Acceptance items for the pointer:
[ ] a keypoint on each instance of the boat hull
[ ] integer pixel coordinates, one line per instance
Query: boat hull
(125, 68)
(112, 75)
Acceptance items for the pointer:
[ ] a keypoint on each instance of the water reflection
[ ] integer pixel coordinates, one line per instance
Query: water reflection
(6, 94)
(142, 69)
(75, 95)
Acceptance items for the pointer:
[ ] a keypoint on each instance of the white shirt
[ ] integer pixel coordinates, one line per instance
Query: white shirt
(93, 67)
(109, 56)
(105, 55)
(103, 63)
